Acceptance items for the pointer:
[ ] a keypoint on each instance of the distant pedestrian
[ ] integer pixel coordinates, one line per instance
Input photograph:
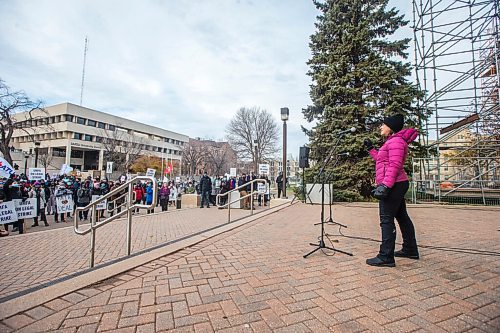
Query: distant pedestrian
(206, 189)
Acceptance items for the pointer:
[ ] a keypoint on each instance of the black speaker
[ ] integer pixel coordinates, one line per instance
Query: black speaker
(304, 157)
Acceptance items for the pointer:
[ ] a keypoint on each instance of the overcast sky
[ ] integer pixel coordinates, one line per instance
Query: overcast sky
(185, 66)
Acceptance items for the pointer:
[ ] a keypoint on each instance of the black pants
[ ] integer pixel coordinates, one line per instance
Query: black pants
(43, 218)
(164, 204)
(19, 225)
(83, 215)
(280, 187)
(394, 206)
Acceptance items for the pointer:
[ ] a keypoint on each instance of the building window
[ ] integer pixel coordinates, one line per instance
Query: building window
(87, 137)
(98, 139)
(80, 120)
(68, 117)
(77, 136)
(111, 127)
(77, 154)
(91, 123)
(59, 152)
(101, 125)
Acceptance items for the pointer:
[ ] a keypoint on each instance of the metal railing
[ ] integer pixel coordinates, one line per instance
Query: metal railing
(122, 202)
(237, 189)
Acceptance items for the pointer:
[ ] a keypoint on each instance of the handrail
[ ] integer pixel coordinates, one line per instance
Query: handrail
(228, 204)
(130, 206)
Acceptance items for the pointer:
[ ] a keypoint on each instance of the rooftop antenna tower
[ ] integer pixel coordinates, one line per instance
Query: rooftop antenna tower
(83, 70)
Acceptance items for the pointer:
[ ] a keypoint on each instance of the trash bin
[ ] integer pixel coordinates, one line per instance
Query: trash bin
(178, 203)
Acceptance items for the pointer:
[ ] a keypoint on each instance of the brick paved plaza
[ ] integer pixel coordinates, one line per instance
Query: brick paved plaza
(254, 279)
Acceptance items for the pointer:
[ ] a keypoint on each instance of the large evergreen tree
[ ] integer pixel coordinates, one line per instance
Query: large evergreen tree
(359, 76)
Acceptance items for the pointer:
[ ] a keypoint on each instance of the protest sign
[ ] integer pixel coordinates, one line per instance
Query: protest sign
(177, 179)
(65, 169)
(150, 172)
(64, 203)
(7, 212)
(102, 205)
(25, 209)
(36, 174)
(6, 170)
(263, 169)
(261, 188)
(109, 167)
(232, 172)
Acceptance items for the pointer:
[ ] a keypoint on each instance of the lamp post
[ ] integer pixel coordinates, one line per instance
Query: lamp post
(37, 145)
(26, 156)
(256, 147)
(284, 116)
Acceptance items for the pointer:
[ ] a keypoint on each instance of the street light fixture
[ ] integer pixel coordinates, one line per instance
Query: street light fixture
(37, 145)
(256, 149)
(284, 116)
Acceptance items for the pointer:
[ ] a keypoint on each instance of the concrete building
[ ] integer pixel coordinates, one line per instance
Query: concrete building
(79, 137)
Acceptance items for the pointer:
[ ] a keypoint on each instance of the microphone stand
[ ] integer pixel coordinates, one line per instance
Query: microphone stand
(321, 243)
(330, 190)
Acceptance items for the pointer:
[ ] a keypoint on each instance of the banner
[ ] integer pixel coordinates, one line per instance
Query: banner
(25, 209)
(36, 173)
(150, 172)
(64, 203)
(7, 212)
(65, 169)
(169, 168)
(6, 170)
(264, 169)
(102, 205)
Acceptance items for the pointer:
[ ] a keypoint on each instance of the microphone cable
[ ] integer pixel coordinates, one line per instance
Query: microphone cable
(438, 248)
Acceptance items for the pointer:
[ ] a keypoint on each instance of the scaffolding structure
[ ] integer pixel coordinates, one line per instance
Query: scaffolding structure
(457, 63)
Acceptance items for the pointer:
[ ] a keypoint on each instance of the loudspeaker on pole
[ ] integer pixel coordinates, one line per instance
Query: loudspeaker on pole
(304, 157)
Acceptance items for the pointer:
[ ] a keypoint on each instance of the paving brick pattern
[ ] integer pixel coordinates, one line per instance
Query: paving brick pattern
(37, 258)
(254, 279)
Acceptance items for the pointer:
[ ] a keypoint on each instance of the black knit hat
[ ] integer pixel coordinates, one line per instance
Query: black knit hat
(395, 123)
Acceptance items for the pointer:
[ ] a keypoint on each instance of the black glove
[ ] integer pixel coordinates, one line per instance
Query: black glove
(368, 144)
(381, 192)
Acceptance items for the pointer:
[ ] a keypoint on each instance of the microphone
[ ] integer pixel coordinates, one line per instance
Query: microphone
(352, 130)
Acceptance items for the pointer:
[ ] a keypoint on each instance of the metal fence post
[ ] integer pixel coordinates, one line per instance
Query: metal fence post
(129, 219)
(92, 237)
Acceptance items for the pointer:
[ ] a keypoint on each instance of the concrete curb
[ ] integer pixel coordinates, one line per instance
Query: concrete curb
(41, 296)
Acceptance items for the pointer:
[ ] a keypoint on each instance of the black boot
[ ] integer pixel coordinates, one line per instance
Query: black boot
(379, 262)
(404, 254)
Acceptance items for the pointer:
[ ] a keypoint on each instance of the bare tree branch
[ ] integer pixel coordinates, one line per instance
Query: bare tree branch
(12, 103)
(121, 148)
(251, 124)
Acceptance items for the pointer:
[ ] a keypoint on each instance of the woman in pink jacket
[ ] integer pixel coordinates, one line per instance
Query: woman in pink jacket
(392, 184)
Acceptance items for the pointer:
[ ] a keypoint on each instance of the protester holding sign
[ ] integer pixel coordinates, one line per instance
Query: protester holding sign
(14, 191)
(84, 194)
(38, 193)
(62, 196)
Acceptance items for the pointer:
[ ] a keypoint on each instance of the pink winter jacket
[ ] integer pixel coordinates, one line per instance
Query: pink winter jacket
(390, 158)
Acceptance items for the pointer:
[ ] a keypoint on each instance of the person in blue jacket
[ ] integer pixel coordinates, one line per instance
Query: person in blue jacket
(149, 197)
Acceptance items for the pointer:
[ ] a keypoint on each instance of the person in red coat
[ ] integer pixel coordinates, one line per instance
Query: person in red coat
(392, 185)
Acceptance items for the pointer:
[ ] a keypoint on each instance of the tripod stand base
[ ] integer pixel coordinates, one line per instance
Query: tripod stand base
(322, 245)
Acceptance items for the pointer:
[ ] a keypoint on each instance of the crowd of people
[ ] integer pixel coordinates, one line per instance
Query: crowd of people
(83, 190)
